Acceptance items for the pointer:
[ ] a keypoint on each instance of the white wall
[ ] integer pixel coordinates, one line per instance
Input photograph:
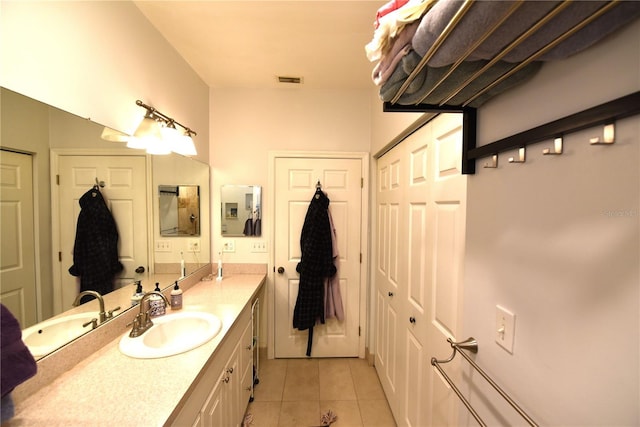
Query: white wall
(556, 241)
(94, 59)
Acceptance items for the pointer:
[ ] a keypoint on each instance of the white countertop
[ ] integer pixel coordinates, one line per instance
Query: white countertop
(109, 388)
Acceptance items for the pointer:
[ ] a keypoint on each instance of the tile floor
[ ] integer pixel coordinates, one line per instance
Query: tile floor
(297, 392)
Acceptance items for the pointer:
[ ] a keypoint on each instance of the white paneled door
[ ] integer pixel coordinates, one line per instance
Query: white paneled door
(17, 256)
(124, 180)
(295, 180)
(418, 269)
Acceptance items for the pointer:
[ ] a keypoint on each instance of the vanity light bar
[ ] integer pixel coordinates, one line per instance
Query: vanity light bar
(165, 118)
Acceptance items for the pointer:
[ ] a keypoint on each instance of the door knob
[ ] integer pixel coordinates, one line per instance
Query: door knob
(412, 319)
(140, 270)
(280, 270)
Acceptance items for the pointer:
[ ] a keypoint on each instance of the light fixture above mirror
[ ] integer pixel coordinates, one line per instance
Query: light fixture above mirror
(157, 134)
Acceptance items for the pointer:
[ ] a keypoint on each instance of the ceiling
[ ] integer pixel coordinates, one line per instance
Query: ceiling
(247, 44)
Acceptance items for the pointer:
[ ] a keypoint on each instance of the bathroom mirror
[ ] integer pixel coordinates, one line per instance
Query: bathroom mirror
(241, 208)
(179, 210)
(39, 131)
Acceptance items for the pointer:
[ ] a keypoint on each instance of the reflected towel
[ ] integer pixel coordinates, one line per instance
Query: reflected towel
(18, 365)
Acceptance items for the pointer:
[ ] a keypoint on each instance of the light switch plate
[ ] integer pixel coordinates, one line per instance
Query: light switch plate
(505, 328)
(229, 245)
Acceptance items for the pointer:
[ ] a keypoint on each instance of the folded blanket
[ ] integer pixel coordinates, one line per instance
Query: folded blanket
(387, 8)
(426, 80)
(392, 23)
(18, 365)
(483, 14)
(400, 47)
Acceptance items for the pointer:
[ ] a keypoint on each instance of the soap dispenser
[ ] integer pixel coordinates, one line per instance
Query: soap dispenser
(176, 297)
(156, 304)
(138, 294)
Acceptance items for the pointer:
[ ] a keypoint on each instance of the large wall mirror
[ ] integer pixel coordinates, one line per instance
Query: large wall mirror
(38, 142)
(241, 207)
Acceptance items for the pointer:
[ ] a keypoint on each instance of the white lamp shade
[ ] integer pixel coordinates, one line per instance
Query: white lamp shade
(184, 145)
(109, 134)
(158, 146)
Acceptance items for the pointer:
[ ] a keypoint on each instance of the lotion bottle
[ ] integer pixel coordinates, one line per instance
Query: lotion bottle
(156, 304)
(138, 294)
(176, 297)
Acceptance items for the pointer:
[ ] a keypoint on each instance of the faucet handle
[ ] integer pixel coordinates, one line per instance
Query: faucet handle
(93, 322)
(110, 312)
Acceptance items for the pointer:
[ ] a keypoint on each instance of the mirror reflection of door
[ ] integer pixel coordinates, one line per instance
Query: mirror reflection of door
(17, 255)
(125, 194)
(241, 210)
(179, 210)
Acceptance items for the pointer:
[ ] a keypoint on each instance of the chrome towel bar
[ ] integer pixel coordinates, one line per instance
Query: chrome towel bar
(471, 345)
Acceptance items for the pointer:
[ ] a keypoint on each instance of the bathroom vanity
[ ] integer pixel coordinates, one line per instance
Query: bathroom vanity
(212, 382)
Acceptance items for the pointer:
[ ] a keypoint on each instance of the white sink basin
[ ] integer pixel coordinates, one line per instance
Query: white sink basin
(172, 334)
(45, 337)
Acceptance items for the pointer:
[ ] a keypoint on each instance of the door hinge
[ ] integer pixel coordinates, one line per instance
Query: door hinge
(57, 179)
(359, 330)
(361, 182)
(360, 257)
(60, 256)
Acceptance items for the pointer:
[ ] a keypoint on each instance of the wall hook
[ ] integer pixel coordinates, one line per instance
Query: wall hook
(557, 147)
(521, 156)
(608, 136)
(494, 162)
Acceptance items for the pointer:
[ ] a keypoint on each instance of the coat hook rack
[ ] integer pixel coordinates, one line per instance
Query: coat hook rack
(521, 156)
(493, 164)
(557, 147)
(608, 136)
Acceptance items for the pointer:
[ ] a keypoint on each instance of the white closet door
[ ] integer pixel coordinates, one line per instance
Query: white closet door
(419, 252)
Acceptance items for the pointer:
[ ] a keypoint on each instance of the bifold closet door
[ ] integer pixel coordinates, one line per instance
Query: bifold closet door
(420, 197)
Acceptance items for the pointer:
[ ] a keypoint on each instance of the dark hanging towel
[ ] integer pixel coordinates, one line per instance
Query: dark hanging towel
(316, 264)
(95, 252)
(248, 227)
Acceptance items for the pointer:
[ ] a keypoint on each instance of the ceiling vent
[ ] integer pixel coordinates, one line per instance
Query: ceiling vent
(294, 80)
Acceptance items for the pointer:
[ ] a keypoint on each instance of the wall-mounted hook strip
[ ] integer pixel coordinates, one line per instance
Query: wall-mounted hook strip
(608, 136)
(521, 156)
(494, 162)
(557, 147)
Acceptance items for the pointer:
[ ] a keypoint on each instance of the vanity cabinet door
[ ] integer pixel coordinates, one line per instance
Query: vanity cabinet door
(213, 413)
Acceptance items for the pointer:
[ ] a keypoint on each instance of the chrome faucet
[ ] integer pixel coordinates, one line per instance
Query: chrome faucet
(102, 314)
(142, 321)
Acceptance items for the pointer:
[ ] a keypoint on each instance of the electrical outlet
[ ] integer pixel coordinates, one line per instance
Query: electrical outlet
(505, 328)
(163, 246)
(259, 246)
(194, 245)
(229, 245)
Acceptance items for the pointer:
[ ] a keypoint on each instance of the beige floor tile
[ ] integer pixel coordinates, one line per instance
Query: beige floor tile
(335, 380)
(302, 380)
(346, 411)
(376, 413)
(298, 414)
(365, 380)
(271, 374)
(264, 414)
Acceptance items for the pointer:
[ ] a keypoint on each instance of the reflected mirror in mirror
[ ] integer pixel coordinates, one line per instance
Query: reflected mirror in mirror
(241, 210)
(46, 138)
(179, 210)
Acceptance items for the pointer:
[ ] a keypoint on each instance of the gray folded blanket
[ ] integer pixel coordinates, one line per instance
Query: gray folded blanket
(428, 77)
(483, 14)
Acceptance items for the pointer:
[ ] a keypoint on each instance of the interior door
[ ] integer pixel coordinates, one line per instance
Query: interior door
(17, 256)
(390, 272)
(124, 190)
(295, 185)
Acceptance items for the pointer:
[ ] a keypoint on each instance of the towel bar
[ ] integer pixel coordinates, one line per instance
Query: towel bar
(472, 345)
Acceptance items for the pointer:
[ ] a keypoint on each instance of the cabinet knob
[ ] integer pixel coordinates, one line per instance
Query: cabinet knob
(249, 347)
(230, 371)
(390, 294)
(225, 380)
(412, 319)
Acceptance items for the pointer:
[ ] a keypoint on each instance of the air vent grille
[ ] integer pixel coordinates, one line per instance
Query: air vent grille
(293, 80)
